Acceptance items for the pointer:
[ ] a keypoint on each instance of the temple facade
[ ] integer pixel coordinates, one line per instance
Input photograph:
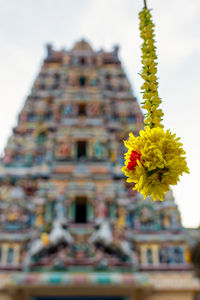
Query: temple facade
(70, 225)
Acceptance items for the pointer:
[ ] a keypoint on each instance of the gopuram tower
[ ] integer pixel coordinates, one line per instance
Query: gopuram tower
(67, 216)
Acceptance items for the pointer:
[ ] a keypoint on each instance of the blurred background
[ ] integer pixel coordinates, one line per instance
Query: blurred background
(70, 90)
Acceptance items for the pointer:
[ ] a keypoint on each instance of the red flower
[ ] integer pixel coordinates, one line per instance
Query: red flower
(133, 160)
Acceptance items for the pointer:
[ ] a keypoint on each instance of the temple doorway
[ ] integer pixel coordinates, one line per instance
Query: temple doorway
(79, 298)
(81, 210)
(81, 149)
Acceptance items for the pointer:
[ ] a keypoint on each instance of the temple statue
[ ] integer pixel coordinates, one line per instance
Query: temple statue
(98, 150)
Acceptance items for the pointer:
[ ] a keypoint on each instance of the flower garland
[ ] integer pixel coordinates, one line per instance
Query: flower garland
(155, 159)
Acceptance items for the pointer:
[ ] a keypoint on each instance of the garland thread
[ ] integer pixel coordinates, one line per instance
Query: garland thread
(155, 159)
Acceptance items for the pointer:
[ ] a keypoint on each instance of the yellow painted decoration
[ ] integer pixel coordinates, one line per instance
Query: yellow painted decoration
(13, 216)
(45, 239)
(40, 220)
(187, 256)
(121, 222)
(155, 159)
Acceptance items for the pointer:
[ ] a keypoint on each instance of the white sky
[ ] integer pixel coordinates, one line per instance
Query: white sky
(26, 26)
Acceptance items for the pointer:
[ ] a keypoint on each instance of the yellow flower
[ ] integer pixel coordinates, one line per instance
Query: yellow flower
(149, 70)
(160, 164)
(155, 160)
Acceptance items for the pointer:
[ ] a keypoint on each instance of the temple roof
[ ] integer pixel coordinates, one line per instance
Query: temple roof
(82, 45)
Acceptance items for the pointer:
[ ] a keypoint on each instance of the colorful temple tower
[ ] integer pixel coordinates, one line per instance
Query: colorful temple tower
(67, 216)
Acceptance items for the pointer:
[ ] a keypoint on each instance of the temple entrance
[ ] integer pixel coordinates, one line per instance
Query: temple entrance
(79, 298)
(82, 109)
(81, 210)
(77, 292)
(81, 149)
(82, 81)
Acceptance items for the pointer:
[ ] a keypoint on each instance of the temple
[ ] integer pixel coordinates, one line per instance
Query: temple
(70, 225)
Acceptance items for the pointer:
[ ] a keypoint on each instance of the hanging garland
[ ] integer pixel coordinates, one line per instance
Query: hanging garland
(155, 159)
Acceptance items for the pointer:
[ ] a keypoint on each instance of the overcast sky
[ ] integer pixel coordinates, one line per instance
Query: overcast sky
(27, 25)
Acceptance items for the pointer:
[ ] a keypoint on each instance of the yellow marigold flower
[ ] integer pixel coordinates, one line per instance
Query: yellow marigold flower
(159, 163)
(155, 160)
